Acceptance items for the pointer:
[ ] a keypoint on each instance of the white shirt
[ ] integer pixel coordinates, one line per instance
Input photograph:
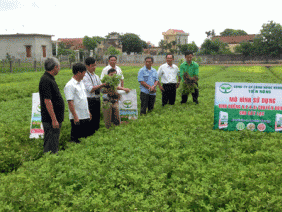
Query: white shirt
(91, 80)
(168, 74)
(75, 91)
(107, 68)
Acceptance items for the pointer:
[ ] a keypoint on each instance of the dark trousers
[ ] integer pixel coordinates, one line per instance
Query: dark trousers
(147, 101)
(51, 137)
(80, 130)
(195, 96)
(94, 105)
(169, 93)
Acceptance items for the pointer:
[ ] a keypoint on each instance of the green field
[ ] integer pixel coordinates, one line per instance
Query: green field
(169, 160)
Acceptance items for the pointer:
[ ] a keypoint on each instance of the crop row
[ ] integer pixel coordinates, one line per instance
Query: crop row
(169, 160)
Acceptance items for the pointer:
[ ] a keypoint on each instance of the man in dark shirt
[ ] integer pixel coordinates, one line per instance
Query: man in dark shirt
(52, 105)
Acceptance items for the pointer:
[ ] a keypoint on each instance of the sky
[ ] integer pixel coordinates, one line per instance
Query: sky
(146, 18)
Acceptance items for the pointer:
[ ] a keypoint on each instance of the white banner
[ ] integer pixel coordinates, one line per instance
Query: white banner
(36, 127)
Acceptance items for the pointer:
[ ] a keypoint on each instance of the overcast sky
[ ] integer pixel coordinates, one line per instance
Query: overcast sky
(147, 18)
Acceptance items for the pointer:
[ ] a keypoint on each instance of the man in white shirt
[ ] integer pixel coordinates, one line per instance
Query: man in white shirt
(168, 74)
(77, 104)
(112, 64)
(93, 85)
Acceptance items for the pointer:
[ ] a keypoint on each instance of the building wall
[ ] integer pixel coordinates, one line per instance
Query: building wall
(42, 41)
(16, 47)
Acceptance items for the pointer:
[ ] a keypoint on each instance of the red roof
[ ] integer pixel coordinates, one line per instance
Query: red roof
(235, 39)
(177, 30)
(74, 43)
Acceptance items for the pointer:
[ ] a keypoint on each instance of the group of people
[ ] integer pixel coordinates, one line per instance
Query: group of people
(83, 93)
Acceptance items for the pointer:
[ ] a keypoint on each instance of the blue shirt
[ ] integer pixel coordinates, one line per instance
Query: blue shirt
(148, 76)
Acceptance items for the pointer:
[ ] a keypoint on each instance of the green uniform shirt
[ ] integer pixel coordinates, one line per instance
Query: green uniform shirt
(192, 69)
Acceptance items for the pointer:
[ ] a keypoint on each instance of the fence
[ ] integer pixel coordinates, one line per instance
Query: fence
(17, 66)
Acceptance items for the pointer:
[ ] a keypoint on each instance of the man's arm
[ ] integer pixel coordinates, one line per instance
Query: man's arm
(97, 87)
(124, 89)
(145, 85)
(50, 109)
(121, 82)
(72, 110)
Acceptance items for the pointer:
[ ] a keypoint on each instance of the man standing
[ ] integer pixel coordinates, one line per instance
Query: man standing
(148, 79)
(192, 68)
(112, 64)
(77, 102)
(168, 73)
(93, 85)
(52, 105)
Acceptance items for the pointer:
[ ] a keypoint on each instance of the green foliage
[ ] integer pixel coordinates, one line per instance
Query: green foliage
(162, 45)
(131, 43)
(112, 81)
(267, 43)
(210, 33)
(90, 43)
(189, 47)
(63, 50)
(214, 47)
(112, 51)
(233, 32)
(157, 163)
(180, 61)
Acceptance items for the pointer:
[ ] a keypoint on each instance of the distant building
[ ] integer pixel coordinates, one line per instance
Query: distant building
(26, 47)
(72, 43)
(113, 40)
(233, 41)
(179, 36)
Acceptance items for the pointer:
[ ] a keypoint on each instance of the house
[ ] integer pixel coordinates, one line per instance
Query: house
(72, 43)
(233, 41)
(179, 36)
(26, 47)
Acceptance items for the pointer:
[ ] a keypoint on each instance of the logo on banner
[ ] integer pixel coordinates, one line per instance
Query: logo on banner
(225, 88)
(127, 103)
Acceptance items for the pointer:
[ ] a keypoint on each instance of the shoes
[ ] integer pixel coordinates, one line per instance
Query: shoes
(197, 102)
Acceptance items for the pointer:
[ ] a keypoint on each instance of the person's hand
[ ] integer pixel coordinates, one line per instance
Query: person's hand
(55, 124)
(161, 88)
(90, 116)
(126, 90)
(76, 120)
(177, 85)
(104, 84)
(154, 90)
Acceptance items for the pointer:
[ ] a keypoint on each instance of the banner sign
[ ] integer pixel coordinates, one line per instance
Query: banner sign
(248, 106)
(128, 106)
(36, 127)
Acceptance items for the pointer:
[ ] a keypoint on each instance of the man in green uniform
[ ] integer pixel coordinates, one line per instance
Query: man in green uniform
(192, 68)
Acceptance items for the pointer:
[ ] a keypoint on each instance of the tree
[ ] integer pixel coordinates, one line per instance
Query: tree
(162, 46)
(112, 51)
(90, 43)
(232, 32)
(210, 33)
(245, 48)
(144, 44)
(267, 43)
(214, 47)
(131, 43)
(63, 50)
(189, 47)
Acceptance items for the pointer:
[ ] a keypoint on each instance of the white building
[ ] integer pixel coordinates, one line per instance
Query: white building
(26, 47)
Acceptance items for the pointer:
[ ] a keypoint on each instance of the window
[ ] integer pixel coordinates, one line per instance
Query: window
(44, 51)
(28, 51)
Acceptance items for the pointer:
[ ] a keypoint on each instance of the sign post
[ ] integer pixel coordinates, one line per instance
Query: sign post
(248, 106)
